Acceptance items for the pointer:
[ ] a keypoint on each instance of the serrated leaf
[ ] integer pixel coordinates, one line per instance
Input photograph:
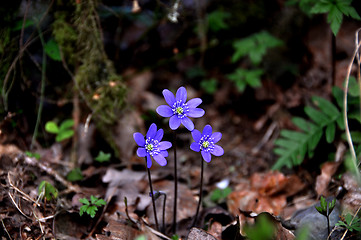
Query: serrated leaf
(93, 199)
(330, 132)
(83, 209)
(84, 201)
(100, 202)
(91, 210)
(216, 20)
(51, 127)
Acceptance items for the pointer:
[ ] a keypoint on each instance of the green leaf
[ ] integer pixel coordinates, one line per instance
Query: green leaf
(100, 202)
(317, 116)
(216, 20)
(91, 210)
(19, 24)
(32, 155)
(103, 157)
(64, 135)
(292, 146)
(75, 175)
(323, 204)
(69, 123)
(51, 127)
(49, 191)
(52, 50)
(330, 132)
(209, 85)
(83, 209)
(255, 46)
(84, 201)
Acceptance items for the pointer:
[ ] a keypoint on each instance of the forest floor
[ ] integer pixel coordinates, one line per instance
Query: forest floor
(247, 139)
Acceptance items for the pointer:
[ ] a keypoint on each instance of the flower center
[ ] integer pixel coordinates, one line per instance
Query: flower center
(205, 144)
(149, 147)
(179, 110)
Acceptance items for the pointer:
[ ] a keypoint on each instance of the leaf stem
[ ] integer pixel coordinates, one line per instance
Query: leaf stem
(152, 195)
(200, 194)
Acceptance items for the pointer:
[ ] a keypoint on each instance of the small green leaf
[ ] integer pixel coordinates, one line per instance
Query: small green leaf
(216, 20)
(69, 123)
(64, 135)
(83, 209)
(103, 157)
(52, 50)
(19, 24)
(330, 132)
(100, 202)
(84, 201)
(49, 191)
(75, 175)
(92, 210)
(51, 127)
(209, 85)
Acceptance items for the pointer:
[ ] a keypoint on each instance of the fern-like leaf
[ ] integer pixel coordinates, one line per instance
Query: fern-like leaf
(292, 146)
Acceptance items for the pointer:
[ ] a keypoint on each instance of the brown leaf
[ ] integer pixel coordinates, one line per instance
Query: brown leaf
(328, 169)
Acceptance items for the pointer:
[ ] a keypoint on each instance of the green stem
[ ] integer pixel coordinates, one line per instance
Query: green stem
(42, 90)
(200, 194)
(152, 195)
(174, 229)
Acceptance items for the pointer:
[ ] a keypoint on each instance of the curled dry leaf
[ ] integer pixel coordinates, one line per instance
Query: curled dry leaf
(264, 192)
(328, 169)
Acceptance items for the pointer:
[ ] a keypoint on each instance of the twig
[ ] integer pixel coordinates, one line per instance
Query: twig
(25, 196)
(348, 134)
(8, 235)
(17, 207)
(354, 216)
(265, 138)
(51, 172)
(42, 88)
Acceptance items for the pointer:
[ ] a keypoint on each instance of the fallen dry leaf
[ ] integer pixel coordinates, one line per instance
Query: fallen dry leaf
(328, 169)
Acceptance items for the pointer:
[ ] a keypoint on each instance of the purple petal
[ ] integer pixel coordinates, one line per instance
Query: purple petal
(164, 111)
(159, 158)
(196, 135)
(207, 130)
(181, 94)
(169, 97)
(216, 136)
(159, 135)
(164, 153)
(149, 161)
(139, 139)
(187, 123)
(174, 122)
(206, 156)
(193, 103)
(152, 131)
(165, 145)
(195, 146)
(217, 151)
(141, 152)
(195, 112)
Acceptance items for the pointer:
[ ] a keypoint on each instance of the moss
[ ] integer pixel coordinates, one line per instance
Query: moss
(78, 33)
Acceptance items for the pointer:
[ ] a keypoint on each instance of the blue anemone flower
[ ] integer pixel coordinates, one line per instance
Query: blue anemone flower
(179, 110)
(205, 142)
(151, 145)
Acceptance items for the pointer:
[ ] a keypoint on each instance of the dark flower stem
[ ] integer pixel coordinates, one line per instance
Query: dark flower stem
(175, 183)
(200, 194)
(153, 201)
(164, 201)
